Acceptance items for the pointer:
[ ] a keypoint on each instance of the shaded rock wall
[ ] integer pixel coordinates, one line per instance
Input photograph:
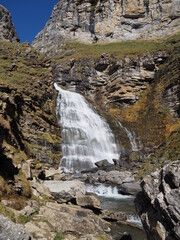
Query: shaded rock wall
(110, 20)
(158, 205)
(7, 30)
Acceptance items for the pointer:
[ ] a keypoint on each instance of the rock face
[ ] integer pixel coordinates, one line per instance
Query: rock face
(158, 204)
(7, 30)
(65, 218)
(12, 231)
(112, 20)
(28, 127)
(120, 81)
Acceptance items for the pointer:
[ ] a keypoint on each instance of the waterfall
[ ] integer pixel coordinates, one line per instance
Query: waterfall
(131, 136)
(87, 137)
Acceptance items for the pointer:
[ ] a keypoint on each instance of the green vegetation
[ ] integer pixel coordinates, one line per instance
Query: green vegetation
(76, 50)
(6, 212)
(24, 219)
(26, 189)
(19, 64)
(59, 236)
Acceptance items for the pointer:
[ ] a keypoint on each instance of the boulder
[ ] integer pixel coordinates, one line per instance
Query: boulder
(103, 164)
(12, 231)
(113, 216)
(89, 201)
(65, 191)
(116, 177)
(130, 188)
(74, 219)
(158, 204)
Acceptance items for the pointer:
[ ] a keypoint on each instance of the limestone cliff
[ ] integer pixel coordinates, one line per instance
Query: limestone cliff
(111, 20)
(7, 30)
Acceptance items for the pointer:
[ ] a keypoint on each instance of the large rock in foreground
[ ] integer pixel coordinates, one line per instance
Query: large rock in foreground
(7, 30)
(12, 231)
(158, 205)
(71, 219)
(65, 191)
(111, 20)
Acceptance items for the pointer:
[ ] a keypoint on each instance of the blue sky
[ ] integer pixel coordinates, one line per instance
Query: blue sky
(29, 16)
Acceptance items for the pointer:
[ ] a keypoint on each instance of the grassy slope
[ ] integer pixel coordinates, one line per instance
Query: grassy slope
(77, 51)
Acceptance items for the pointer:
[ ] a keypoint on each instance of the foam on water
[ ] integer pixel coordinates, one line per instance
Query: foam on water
(106, 191)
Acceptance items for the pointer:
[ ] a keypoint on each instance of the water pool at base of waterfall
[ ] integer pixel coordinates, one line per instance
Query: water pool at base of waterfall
(111, 200)
(124, 205)
(117, 231)
(115, 204)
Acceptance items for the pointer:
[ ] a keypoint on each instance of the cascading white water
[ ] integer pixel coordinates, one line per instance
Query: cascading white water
(131, 136)
(87, 137)
(106, 191)
(134, 218)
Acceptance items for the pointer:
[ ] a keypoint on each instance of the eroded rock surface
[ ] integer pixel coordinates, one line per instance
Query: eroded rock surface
(158, 204)
(7, 30)
(110, 20)
(10, 230)
(65, 218)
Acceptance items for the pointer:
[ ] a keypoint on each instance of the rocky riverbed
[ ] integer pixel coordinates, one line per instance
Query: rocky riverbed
(67, 205)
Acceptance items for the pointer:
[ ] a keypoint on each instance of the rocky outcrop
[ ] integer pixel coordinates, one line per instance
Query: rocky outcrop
(10, 230)
(28, 127)
(111, 20)
(70, 219)
(120, 81)
(158, 205)
(7, 30)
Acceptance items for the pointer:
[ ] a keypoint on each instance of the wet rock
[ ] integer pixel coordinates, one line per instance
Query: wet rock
(113, 216)
(103, 164)
(158, 205)
(130, 188)
(10, 230)
(126, 236)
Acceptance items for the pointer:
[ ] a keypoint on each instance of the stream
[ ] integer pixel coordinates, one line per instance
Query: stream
(111, 200)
